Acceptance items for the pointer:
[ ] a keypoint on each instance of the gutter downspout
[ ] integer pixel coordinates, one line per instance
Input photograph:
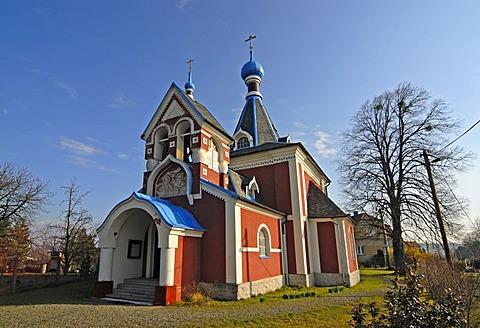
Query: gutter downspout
(284, 249)
(326, 190)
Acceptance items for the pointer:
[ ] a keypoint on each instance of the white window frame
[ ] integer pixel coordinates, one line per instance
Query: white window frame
(264, 243)
(360, 250)
(243, 142)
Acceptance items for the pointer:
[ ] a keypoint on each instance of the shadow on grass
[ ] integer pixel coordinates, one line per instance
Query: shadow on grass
(68, 293)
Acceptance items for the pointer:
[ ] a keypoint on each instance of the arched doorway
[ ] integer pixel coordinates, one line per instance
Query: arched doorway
(154, 270)
(136, 253)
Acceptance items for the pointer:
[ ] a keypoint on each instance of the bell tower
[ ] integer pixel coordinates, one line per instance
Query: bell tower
(254, 126)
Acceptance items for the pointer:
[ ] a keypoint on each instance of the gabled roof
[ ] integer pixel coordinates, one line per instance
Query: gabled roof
(237, 183)
(234, 193)
(320, 206)
(174, 216)
(207, 116)
(198, 110)
(256, 121)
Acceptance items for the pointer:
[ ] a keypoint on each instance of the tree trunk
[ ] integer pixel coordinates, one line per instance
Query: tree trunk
(57, 273)
(398, 251)
(13, 287)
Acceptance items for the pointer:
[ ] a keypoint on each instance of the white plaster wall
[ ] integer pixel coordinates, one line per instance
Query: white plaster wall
(133, 228)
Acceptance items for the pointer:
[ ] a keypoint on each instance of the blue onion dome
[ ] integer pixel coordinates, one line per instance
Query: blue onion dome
(252, 68)
(189, 85)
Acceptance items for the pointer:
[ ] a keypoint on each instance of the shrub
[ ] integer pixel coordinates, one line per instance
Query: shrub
(442, 280)
(407, 306)
(300, 295)
(476, 264)
(193, 294)
(336, 289)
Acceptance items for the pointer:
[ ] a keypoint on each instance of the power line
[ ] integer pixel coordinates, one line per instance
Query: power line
(464, 133)
(458, 201)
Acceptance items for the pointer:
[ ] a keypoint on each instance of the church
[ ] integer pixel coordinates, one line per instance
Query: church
(234, 215)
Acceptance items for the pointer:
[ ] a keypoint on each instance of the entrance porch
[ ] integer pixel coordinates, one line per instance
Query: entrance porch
(143, 237)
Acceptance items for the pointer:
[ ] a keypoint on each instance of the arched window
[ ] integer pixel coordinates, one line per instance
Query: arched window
(263, 243)
(160, 147)
(243, 142)
(187, 147)
(213, 153)
(252, 189)
(184, 150)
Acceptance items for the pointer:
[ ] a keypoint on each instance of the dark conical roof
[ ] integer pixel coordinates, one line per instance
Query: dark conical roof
(256, 121)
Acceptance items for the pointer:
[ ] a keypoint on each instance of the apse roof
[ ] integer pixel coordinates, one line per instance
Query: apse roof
(174, 216)
(320, 206)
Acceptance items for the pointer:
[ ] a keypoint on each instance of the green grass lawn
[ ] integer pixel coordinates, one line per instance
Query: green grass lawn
(71, 305)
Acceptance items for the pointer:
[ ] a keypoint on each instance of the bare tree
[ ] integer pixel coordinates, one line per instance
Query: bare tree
(75, 222)
(472, 238)
(14, 248)
(22, 195)
(381, 162)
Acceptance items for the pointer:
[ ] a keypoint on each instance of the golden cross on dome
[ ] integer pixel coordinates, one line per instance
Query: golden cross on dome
(250, 38)
(189, 62)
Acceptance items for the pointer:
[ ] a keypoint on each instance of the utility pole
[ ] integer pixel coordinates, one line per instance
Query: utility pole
(437, 208)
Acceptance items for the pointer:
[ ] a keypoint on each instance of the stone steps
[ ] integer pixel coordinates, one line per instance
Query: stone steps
(136, 290)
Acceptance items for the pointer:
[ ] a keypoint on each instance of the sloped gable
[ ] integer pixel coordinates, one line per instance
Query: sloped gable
(173, 111)
(320, 206)
(176, 104)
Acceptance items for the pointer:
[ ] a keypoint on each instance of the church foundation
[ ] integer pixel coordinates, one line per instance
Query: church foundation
(102, 288)
(166, 295)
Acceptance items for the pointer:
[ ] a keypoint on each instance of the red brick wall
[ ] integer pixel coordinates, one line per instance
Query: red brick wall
(352, 260)
(191, 259)
(178, 271)
(302, 190)
(212, 176)
(210, 213)
(254, 267)
(274, 183)
(292, 260)
(328, 247)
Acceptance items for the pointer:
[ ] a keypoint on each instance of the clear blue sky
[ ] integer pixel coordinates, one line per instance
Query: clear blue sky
(80, 80)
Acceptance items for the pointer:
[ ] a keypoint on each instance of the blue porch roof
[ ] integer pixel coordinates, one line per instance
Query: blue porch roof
(174, 216)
